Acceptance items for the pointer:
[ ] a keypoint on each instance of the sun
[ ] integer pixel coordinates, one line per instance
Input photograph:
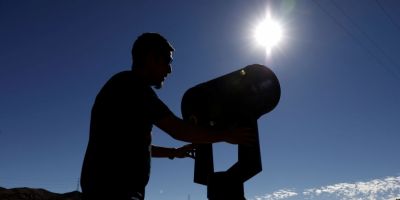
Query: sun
(268, 33)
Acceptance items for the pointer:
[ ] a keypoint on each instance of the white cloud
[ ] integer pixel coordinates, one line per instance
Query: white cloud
(386, 188)
(378, 189)
(280, 194)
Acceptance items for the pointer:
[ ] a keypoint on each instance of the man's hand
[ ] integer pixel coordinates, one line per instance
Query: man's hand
(185, 151)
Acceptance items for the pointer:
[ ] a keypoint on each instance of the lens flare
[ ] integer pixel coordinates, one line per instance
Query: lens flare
(268, 33)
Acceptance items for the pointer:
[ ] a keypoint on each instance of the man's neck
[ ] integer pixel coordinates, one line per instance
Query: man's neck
(141, 74)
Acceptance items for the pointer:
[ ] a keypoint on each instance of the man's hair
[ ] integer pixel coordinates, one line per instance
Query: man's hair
(149, 43)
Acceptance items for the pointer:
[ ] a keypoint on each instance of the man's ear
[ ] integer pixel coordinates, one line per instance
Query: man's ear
(151, 59)
(147, 59)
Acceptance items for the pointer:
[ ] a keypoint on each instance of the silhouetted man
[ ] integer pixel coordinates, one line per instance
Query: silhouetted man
(117, 159)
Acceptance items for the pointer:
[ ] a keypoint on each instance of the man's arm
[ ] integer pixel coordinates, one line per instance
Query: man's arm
(181, 130)
(171, 153)
(157, 151)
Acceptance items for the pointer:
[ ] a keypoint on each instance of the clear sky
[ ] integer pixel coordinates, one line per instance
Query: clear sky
(335, 132)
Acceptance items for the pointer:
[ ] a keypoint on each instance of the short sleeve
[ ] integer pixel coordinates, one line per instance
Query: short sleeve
(157, 109)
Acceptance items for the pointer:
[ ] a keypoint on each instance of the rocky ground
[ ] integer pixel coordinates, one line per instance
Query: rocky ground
(36, 194)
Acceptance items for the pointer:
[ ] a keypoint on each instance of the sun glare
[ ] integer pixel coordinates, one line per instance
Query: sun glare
(268, 33)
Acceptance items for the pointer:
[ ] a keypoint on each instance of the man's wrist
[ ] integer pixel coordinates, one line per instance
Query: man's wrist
(172, 153)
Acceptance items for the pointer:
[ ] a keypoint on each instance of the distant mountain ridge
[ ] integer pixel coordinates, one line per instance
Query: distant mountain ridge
(25, 193)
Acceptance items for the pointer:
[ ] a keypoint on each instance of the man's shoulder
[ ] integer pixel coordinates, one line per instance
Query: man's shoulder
(128, 83)
(122, 75)
(122, 79)
(128, 77)
(117, 83)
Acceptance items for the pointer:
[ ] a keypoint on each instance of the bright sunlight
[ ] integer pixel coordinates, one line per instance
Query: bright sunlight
(268, 33)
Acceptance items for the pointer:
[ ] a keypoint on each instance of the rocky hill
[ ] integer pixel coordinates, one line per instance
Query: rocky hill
(36, 194)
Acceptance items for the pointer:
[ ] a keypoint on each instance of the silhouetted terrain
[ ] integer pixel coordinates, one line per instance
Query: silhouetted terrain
(36, 194)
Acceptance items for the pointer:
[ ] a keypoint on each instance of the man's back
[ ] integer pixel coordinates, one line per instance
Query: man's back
(120, 134)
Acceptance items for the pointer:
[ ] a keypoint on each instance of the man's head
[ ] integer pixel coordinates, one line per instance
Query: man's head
(152, 56)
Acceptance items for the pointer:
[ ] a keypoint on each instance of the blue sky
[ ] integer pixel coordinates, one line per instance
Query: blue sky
(338, 64)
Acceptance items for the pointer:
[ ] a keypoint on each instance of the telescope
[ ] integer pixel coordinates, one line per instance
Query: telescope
(235, 100)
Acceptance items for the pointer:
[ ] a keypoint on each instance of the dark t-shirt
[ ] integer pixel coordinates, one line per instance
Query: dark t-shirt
(118, 154)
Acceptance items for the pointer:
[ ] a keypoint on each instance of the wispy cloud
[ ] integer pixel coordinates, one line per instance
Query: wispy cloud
(377, 189)
(280, 194)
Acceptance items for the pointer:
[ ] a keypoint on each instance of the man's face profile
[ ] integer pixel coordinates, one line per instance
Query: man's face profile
(160, 67)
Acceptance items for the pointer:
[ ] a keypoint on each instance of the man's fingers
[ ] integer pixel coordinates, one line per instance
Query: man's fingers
(190, 154)
(186, 151)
